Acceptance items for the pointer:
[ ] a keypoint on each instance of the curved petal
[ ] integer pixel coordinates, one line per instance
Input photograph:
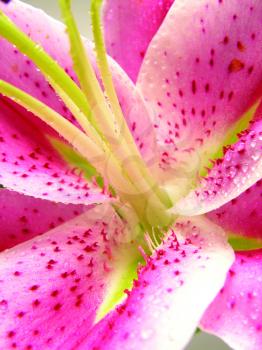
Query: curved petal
(129, 28)
(240, 169)
(235, 315)
(50, 34)
(52, 286)
(171, 294)
(23, 217)
(202, 71)
(243, 214)
(30, 165)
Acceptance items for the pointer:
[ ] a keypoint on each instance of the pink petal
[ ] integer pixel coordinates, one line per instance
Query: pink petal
(240, 168)
(243, 214)
(171, 294)
(30, 165)
(235, 315)
(129, 28)
(202, 71)
(51, 287)
(23, 217)
(49, 33)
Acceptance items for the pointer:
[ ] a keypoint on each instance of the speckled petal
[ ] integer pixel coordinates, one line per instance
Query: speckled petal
(240, 169)
(171, 294)
(129, 28)
(49, 33)
(202, 70)
(51, 286)
(23, 217)
(30, 165)
(235, 315)
(242, 215)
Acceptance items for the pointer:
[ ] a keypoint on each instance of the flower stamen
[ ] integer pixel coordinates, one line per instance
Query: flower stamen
(102, 60)
(106, 142)
(85, 146)
(48, 66)
(111, 121)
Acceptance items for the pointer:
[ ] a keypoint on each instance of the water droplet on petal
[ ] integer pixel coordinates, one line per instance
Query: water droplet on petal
(255, 156)
(3, 305)
(253, 316)
(146, 334)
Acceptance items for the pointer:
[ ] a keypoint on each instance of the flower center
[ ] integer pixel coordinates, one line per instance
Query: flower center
(105, 140)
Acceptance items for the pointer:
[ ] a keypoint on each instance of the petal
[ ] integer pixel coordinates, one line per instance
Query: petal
(171, 294)
(243, 214)
(235, 315)
(30, 165)
(240, 168)
(50, 34)
(129, 28)
(202, 71)
(23, 217)
(51, 287)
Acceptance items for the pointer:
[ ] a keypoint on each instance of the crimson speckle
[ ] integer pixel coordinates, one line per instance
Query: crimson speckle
(34, 287)
(57, 307)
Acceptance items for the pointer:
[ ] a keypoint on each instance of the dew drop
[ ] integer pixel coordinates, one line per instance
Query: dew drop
(253, 316)
(3, 305)
(255, 156)
(145, 334)
(254, 294)
(244, 168)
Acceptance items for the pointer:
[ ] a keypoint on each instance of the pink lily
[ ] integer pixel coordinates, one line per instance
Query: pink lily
(188, 76)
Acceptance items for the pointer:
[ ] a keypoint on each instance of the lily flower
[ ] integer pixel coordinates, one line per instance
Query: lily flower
(131, 181)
